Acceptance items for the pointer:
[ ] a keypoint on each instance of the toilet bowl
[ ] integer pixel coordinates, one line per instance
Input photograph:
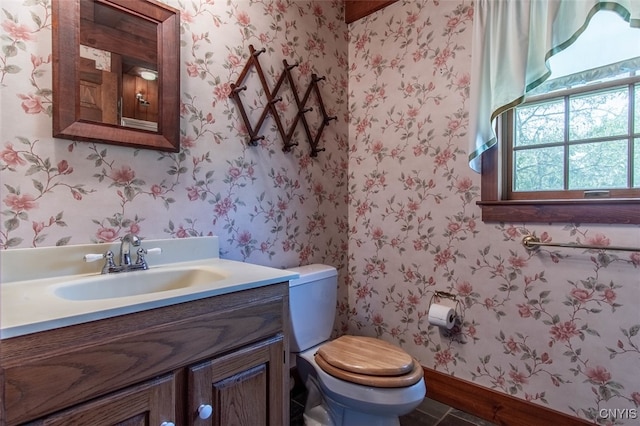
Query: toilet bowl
(360, 380)
(352, 404)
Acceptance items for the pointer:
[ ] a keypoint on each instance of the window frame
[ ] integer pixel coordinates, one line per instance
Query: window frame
(629, 84)
(623, 211)
(497, 207)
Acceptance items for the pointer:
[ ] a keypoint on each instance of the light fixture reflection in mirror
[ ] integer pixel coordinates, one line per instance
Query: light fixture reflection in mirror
(148, 75)
(95, 95)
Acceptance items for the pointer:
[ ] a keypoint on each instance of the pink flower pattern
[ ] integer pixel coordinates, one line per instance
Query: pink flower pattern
(391, 202)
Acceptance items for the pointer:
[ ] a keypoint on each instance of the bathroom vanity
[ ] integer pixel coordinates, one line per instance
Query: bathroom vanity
(214, 355)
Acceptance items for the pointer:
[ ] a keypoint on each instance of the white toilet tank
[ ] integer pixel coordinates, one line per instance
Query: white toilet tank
(312, 305)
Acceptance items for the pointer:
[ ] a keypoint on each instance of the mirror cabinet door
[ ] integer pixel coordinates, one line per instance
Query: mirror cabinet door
(116, 72)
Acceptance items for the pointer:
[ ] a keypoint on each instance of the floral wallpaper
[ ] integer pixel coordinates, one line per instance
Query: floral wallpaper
(390, 202)
(559, 328)
(267, 206)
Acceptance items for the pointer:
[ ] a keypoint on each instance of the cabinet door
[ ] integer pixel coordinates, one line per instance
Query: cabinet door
(149, 404)
(243, 388)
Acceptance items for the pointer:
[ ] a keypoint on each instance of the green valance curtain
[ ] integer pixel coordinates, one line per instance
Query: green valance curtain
(512, 41)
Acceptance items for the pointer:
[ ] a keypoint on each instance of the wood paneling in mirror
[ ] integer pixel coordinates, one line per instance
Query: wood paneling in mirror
(356, 9)
(138, 34)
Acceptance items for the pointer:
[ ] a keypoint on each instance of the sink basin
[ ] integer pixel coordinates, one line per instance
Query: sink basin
(127, 284)
(46, 288)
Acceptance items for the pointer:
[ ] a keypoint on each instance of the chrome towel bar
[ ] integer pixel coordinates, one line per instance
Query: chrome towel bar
(531, 243)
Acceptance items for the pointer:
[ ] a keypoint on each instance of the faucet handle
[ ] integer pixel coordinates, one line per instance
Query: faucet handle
(108, 255)
(142, 252)
(92, 257)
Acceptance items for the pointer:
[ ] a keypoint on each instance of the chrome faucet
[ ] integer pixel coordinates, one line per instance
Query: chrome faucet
(127, 242)
(125, 248)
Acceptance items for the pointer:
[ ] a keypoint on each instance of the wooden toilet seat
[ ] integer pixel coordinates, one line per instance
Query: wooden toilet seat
(368, 361)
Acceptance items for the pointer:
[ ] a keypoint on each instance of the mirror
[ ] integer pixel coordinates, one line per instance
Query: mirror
(116, 72)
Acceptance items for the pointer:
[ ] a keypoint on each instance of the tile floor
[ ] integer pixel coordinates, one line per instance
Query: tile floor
(431, 413)
(428, 413)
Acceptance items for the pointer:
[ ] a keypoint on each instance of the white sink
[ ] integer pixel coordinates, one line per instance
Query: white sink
(51, 287)
(127, 284)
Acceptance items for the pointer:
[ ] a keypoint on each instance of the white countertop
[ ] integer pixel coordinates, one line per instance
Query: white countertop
(29, 303)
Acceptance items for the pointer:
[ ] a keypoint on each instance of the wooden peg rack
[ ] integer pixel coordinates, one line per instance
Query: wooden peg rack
(273, 98)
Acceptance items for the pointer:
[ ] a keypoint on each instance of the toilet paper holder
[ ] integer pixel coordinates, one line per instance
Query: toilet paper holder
(445, 295)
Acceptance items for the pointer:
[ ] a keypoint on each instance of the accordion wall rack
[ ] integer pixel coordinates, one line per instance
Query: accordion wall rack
(273, 98)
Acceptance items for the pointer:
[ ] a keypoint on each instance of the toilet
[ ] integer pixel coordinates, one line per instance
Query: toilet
(356, 380)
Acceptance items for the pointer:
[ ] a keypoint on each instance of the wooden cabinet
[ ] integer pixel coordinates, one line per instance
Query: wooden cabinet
(156, 366)
(148, 404)
(241, 388)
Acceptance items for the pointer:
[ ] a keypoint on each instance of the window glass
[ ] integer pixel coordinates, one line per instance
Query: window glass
(636, 109)
(539, 169)
(599, 114)
(636, 164)
(539, 123)
(598, 165)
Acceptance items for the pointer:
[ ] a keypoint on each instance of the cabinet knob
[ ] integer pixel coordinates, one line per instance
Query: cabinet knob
(205, 411)
(167, 424)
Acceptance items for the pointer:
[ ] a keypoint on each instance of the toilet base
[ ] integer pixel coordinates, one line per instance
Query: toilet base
(318, 416)
(322, 410)
(341, 416)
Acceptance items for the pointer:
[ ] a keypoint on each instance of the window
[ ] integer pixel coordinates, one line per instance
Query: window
(571, 151)
(575, 145)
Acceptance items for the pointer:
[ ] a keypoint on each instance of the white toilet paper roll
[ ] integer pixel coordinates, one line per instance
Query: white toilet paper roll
(442, 316)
